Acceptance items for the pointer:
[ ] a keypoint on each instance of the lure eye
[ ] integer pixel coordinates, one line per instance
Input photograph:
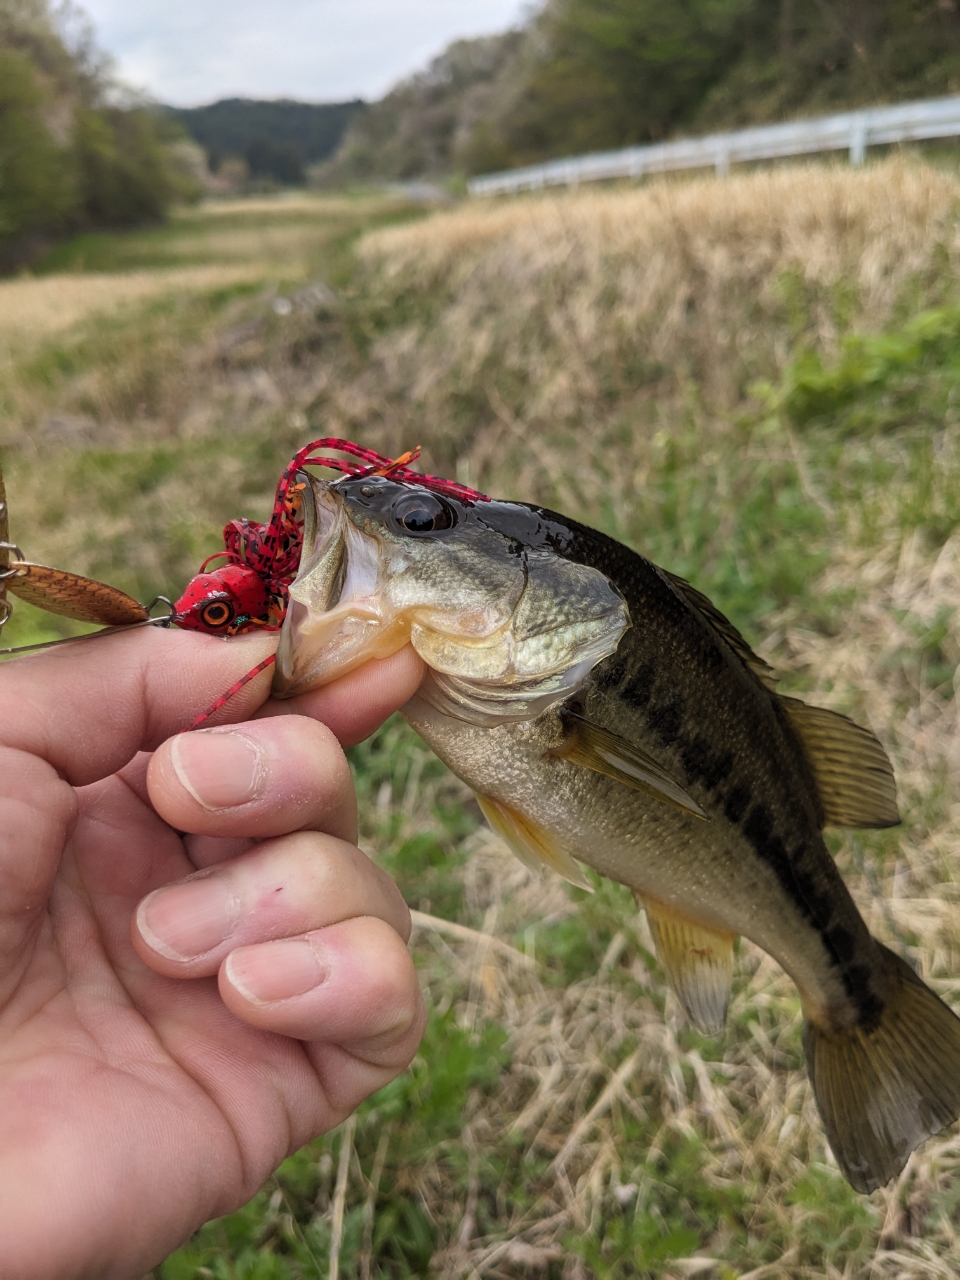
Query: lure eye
(217, 614)
(422, 513)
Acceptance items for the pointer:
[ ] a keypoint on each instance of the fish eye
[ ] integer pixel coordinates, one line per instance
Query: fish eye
(216, 614)
(422, 513)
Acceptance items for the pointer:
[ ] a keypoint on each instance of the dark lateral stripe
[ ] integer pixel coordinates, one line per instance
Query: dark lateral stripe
(736, 802)
(703, 762)
(664, 715)
(666, 721)
(815, 906)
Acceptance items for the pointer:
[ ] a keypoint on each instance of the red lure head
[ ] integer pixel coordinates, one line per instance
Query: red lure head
(251, 590)
(227, 602)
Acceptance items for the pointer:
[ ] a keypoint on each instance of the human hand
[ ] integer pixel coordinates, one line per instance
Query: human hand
(162, 1049)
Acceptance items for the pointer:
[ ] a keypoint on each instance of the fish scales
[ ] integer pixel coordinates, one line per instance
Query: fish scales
(606, 713)
(674, 687)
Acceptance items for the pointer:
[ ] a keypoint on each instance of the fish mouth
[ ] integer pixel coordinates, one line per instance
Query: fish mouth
(352, 602)
(503, 635)
(336, 619)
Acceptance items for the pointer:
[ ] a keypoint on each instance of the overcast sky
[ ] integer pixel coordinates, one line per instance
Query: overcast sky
(188, 52)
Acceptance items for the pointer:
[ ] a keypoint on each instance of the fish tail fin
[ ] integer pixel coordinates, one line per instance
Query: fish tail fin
(882, 1091)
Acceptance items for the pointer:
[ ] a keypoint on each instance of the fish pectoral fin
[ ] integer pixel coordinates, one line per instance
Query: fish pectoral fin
(534, 847)
(853, 774)
(593, 747)
(73, 596)
(698, 962)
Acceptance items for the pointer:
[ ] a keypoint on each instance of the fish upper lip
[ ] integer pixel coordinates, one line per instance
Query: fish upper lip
(339, 563)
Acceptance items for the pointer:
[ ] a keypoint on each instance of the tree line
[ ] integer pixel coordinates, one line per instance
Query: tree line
(276, 140)
(74, 152)
(588, 75)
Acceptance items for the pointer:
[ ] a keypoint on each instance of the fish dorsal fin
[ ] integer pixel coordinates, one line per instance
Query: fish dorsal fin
(853, 774)
(698, 963)
(592, 747)
(762, 670)
(534, 847)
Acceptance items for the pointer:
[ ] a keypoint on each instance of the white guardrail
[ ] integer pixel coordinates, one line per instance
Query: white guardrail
(853, 131)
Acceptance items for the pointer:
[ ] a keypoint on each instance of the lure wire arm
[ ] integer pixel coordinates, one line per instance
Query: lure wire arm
(164, 620)
(7, 571)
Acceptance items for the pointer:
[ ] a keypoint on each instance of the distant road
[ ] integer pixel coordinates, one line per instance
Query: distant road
(852, 131)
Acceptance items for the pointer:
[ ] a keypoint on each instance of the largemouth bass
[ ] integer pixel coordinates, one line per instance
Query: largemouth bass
(604, 712)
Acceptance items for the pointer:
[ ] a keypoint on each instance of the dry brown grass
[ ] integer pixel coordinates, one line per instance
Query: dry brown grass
(323, 206)
(34, 308)
(676, 294)
(594, 350)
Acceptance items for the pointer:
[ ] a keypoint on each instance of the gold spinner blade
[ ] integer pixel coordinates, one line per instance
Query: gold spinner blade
(55, 590)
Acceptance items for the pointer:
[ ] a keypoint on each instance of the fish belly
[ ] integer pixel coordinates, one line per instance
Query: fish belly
(703, 871)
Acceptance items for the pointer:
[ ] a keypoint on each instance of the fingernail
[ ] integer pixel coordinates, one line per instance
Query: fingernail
(187, 920)
(220, 769)
(276, 970)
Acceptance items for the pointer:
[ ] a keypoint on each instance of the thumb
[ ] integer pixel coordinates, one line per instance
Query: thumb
(89, 707)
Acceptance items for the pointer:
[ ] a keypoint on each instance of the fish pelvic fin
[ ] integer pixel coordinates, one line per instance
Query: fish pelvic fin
(853, 773)
(882, 1091)
(534, 846)
(698, 962)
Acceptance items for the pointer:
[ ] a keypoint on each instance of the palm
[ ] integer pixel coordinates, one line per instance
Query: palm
(133, 1104)
(109, 1046)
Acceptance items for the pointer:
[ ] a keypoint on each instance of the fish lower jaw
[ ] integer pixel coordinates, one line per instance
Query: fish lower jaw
(317, 650)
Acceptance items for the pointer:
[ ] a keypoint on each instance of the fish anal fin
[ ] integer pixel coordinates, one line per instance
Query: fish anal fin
(853, 774)
(882, 1091)
(697, 960)
(534, 847)
(593, 747)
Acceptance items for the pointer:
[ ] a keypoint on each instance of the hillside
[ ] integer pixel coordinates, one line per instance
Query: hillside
(424, 125)
(276, 139)
(588, 75)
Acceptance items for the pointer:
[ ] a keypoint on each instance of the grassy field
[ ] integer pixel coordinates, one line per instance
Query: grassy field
(756, 382)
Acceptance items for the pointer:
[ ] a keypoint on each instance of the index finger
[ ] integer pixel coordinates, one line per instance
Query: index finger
(89, 707)
(356, 704)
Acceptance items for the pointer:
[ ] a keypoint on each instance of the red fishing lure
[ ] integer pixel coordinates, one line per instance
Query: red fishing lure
(251, 589)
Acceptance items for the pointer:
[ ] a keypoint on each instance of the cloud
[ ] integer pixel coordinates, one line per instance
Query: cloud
(192, 51)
